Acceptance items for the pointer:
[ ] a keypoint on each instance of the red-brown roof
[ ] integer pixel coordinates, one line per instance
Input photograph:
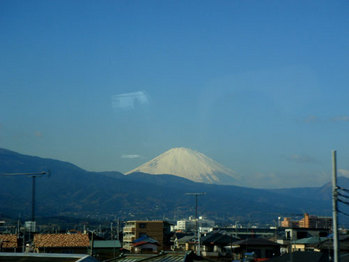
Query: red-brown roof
(61, 240)
(8, 241)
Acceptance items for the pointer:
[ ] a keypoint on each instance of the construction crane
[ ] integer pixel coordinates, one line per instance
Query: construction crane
(33, 176)
(196, 218)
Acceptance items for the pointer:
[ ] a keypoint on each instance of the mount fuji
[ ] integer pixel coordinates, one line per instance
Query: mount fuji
(189, 164)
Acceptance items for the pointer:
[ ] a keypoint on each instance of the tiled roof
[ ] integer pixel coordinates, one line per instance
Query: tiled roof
(217, 238)
(186, 239)
(61, 240)
(8, 241)
(310, 240)
(255, 242)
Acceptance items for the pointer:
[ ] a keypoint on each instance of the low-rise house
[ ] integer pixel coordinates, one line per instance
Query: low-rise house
(145, 244)
(186, 243)
(217, 244)
(62, 243)
(9, 243)
(262, 248)
(294, 234)
(105, 249)
(175, 240)
(327, 245)
(307, 244)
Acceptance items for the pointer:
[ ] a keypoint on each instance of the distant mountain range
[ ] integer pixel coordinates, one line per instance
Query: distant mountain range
(74, 192)
(189, 164)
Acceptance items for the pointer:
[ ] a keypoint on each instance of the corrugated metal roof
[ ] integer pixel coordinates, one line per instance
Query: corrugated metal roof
(40, 257)
(166, 257)
(106, 244)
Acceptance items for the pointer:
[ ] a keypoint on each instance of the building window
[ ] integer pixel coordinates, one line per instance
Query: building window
(142, 225)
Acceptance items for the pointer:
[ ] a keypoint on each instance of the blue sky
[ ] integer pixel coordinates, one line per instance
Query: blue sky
(259, 86)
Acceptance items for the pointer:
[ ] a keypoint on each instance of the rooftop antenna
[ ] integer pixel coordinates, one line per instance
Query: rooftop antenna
(196, 218)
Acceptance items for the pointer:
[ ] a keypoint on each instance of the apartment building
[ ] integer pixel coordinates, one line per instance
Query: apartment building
(158, 230)
(308, 221)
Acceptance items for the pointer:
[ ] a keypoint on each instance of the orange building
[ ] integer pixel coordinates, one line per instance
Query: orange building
(308, 221)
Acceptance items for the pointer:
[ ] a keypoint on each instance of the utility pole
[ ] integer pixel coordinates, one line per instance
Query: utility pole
(196, 219)
(335, 208)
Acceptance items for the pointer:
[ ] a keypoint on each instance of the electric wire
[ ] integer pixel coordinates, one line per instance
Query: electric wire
(343, 201)
(343, 213)
(342, 195)
(342, 188)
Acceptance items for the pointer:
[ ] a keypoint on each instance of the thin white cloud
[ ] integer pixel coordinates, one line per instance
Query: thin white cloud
(341, 119)
(311, 119)
(301, 158)
(130, 156)
(343, 172)
(128, 101)
(38, 134)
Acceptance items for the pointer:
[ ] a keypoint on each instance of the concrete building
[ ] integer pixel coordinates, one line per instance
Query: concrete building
(158, 230)
(187, 225)
(308, 221)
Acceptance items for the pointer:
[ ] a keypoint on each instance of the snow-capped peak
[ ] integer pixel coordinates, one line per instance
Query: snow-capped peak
(190, 164)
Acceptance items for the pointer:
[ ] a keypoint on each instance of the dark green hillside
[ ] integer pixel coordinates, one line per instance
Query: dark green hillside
(72, 191)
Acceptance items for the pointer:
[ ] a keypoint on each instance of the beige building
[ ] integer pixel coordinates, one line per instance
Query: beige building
(158, 230)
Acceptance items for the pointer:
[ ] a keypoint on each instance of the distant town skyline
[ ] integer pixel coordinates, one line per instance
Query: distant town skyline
(260, 86)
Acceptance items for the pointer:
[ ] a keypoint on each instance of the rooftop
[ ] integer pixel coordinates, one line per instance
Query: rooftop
(61, 240)
(8, 241)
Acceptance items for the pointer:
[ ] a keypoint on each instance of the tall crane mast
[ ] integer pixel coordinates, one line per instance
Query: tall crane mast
(196, 218)
(33, 176)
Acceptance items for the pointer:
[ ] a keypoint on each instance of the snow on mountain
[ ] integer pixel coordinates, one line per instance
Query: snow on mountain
(190, 164)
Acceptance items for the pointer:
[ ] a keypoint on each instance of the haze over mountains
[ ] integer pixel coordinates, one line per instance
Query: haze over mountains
(189, 164)
(74, 192)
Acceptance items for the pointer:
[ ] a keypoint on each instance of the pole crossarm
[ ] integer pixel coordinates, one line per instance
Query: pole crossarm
(196, 194)
(33, 175)
(42, 173)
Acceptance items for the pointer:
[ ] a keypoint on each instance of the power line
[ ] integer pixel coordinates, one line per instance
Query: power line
(344, 202)
(342, 188)
(342, 195)
(343, 213)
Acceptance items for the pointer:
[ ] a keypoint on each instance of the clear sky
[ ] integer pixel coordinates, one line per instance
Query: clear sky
(259, 86)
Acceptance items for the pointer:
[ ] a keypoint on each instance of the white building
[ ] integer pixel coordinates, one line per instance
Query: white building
(190, 224)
